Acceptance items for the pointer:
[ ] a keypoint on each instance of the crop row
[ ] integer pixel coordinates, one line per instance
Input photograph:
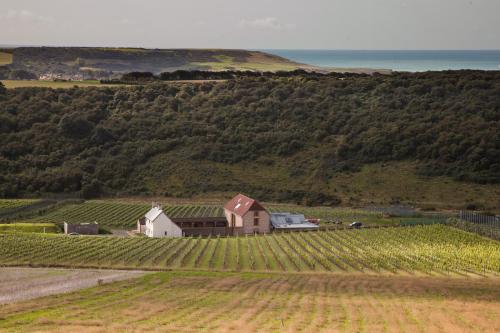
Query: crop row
(120, 215)
(8, 204)
(435, 249)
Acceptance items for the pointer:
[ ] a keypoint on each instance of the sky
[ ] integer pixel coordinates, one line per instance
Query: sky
(254, 24)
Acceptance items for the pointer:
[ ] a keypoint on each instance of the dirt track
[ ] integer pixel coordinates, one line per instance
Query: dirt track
(18, 284)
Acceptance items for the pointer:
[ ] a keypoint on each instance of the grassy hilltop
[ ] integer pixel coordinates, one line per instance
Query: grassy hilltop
(104, 62)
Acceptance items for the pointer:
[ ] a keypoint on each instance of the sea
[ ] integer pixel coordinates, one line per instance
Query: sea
(408, 61)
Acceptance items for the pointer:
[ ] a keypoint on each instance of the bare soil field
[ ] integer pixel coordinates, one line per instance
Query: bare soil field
(18, 284)
(263, 302)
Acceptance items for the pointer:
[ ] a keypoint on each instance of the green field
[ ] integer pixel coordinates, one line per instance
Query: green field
(253, 63)
(250, 302)
(29, 227)
(125, 215)
(120, 215)
(10, 204)
(432, 249)
(10, 84)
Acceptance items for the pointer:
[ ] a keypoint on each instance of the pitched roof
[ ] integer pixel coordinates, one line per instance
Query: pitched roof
(153, 213)
(241, 204)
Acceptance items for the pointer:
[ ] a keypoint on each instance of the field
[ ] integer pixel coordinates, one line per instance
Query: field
(250, 302)
(125, 214)
(26, 283)
(428, 250)
(5, 58)
(255, 62)
(53, 84)
(120, 215)
(9, 204)
(29, 227)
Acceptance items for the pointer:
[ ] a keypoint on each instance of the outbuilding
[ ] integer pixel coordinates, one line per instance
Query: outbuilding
(81, 228)
(288, 221)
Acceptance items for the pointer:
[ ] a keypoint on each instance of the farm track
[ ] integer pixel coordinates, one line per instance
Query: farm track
(266, 302)
(425, 250)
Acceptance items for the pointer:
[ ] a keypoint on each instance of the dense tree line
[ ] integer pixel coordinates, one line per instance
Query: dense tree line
(181, 75)
(180, 139)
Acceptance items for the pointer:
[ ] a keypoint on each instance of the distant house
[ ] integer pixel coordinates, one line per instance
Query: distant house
(81, 228)
(157, 224)
(287, 221)
(246, 216)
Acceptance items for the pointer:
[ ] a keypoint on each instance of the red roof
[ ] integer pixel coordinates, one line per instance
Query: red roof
(241, 204)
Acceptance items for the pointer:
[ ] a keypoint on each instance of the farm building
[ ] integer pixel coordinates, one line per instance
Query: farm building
(287, 221)
(81, 228)
(246, 216)
(156, 223)
(242, 215)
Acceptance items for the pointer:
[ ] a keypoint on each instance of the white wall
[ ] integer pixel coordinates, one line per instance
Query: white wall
(162, 226)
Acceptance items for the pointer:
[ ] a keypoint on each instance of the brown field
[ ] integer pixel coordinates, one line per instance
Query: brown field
(26, 283)
(5, 58)
(251, 302)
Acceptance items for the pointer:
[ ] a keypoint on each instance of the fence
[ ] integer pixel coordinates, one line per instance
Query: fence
(473, 217)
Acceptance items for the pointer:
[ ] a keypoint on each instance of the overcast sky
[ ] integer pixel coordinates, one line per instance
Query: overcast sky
(251, 24)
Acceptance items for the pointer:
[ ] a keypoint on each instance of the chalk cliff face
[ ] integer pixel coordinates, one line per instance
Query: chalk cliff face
(106, 61)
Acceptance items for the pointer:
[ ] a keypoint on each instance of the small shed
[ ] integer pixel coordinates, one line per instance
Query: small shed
(91, 228)
(288, 221)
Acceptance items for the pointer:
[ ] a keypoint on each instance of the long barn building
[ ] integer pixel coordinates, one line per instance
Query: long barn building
(242, 215)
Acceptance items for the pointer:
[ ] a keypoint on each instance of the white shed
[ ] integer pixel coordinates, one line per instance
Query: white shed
(158, 224)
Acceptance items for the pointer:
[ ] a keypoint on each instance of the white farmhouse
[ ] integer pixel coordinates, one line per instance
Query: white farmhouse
(158, 224)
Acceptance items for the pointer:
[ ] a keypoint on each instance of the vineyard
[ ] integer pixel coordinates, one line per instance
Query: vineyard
(10, 204)
(29, 227)
(328, 214)
(125, 215)
(265, 302)
(119, 215)
(434, 249)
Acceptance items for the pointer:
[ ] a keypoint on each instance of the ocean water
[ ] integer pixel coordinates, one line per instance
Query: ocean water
(411, 61)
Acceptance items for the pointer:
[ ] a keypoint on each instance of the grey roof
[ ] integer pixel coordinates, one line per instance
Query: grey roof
(291, 221)
(153, 213)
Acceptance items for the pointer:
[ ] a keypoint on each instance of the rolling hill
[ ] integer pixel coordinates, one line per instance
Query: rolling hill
(96, 62)
(426, 138)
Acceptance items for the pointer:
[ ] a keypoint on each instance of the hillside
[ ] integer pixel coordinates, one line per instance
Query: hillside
(429, 139)
(93, 62)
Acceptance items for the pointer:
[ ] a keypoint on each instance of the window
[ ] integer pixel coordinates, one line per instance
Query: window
(165, 233)
(233, 220)
(255, 217)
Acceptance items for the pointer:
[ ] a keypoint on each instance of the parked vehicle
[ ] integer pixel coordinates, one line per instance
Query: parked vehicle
(356, 224)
